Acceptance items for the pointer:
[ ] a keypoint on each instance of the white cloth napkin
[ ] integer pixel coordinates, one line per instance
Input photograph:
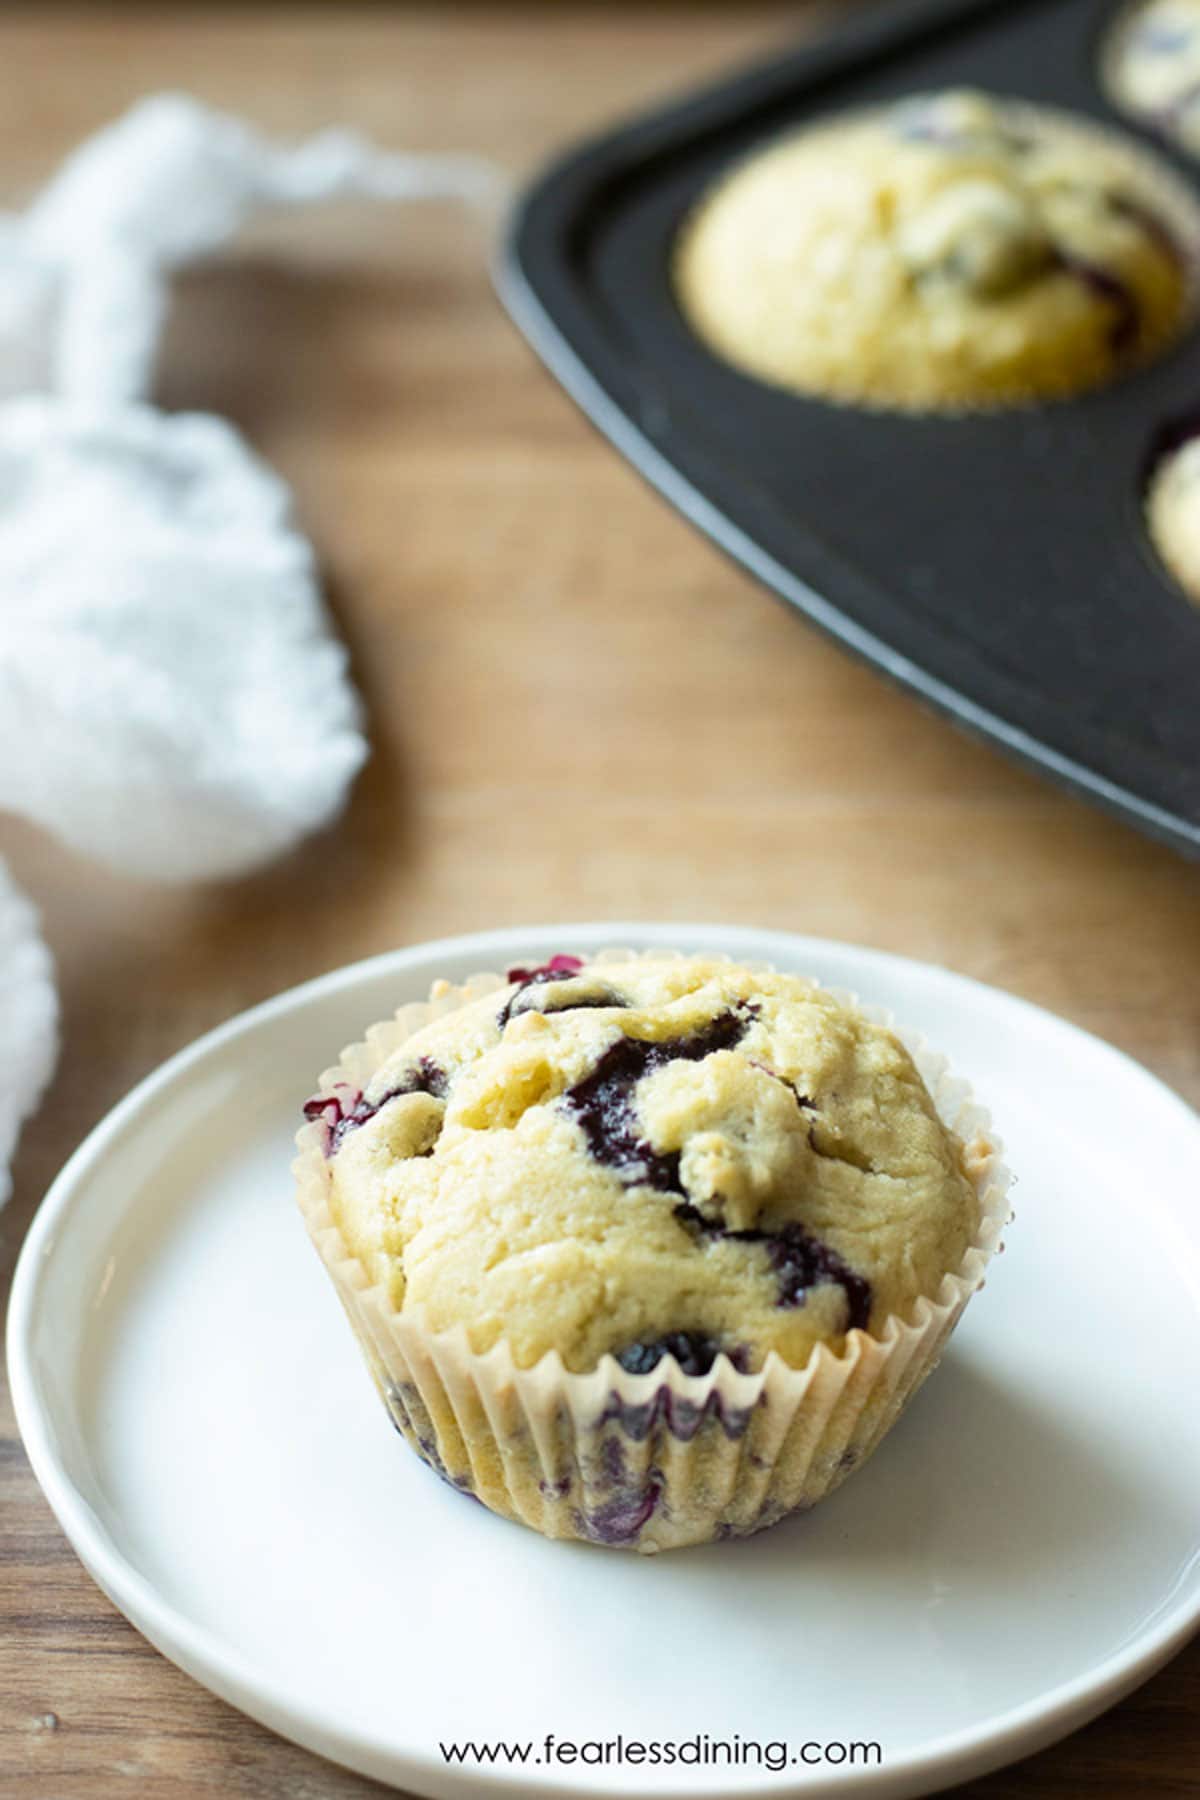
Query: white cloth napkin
(173, 700)
(163, 648)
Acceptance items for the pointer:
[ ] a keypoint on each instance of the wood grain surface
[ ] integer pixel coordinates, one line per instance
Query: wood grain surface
(577, 710)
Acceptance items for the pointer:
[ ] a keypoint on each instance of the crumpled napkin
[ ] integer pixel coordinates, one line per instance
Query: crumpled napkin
(173, 699)
(82, 272)
(174, 675)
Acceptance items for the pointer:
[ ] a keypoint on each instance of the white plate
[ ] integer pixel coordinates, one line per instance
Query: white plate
(1024, 1548)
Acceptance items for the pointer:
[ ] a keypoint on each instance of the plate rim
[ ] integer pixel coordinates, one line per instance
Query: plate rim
(206, 1657)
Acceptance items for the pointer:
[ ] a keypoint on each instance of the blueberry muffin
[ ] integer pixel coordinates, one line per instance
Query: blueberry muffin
(951, 252)
(1173, 507)
(617, 1219)
(1153, 68)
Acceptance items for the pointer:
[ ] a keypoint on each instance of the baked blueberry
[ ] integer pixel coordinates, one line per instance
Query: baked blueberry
(557, 986)
(345, 1109)
(604, 1100)
(693, 1351)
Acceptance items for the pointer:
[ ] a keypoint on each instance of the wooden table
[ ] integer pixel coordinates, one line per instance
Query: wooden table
(577, 709)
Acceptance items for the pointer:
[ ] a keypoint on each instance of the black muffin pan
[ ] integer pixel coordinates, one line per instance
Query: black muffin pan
(995, 564)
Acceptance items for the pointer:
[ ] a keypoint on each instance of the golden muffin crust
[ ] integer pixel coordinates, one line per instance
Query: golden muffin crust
(632, 1157)
(951, 252)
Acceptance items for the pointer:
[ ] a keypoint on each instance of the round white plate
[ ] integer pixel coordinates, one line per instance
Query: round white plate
(1023, 1549)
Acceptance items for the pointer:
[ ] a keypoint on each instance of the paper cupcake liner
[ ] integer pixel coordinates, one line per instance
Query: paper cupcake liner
(1152, 179)
(660, 1460)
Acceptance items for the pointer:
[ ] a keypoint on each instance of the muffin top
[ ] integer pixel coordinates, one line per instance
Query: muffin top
(952, 251)
(1173, 510)
(1154, 68)
(650, 1156)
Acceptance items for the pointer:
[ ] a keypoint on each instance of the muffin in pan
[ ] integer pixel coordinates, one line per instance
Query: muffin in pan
(649, 1250)
(951, 252)
(1173, 505)
(1152, 68)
